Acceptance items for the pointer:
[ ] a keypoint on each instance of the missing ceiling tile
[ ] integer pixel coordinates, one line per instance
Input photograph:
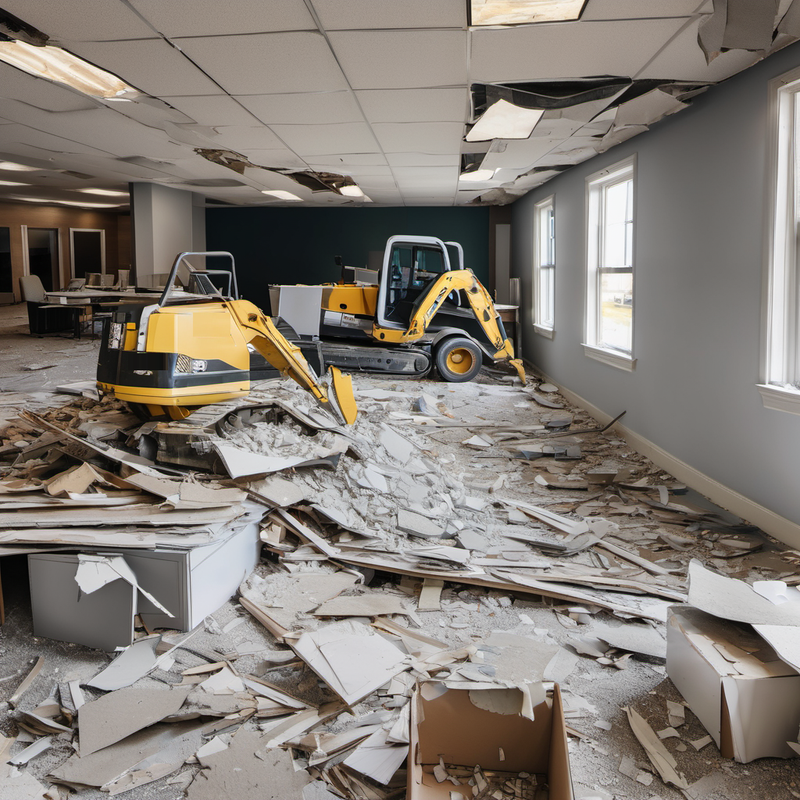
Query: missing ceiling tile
(13, 28)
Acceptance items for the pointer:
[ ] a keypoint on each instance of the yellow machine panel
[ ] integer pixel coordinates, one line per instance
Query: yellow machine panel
(350, 299)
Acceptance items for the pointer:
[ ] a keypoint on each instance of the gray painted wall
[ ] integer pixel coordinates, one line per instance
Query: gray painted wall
(699, 231)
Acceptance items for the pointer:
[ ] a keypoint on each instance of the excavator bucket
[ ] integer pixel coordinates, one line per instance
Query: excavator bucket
(517, 364)
(340, 394)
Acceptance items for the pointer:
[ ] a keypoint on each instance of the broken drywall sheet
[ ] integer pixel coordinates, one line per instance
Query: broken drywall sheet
(643, 639)
(133, 663)
(738, 25)
(373, 604)
(659, 756)
(16, 784)
(111, 718)
(241, 463)
(246, 770)
(647, 109)
(94, 572)
(377, 758)
(351, 658)
(736, 600)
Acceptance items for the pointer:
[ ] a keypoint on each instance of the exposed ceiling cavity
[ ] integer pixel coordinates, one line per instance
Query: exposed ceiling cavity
(322, 103)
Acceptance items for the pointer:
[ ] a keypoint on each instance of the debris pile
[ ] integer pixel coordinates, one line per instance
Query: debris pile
(464, 549)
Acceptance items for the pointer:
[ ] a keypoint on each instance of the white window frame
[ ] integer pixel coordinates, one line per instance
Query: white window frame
(596, 185)
(779, 378)
(544, 290)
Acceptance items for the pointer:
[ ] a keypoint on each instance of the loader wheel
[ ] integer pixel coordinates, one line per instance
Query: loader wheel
(458, 359)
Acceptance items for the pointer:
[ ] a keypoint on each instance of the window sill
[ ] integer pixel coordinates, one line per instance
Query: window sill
(610, 357)
(779, 398)
(542, 331)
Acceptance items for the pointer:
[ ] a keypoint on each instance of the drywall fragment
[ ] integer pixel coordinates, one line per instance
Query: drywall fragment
(677, 713)
(647, 108)
(430, 595)
(133, 663)
(558, 521)
(376, 758)
(37, 748)
(415, 524)
(777, 592)
(733, 599)
(77, 694)
(351, 658)
(667, 733)
(518, 659)
(241, 463)
(479, 442)
(246, 770)
(281, 732)
(560, 666)
(18, 784)
(374, 604)
(545, 401)
(277, 491)
(223, 682)
(37, 724)
(76, 479)
(25, 685)
(111, 718)
(397, 446)
(785, 640)
(659, 756)
(210, 748)
(790, 23)
(95, 572)
(700, 743)
(644, 639)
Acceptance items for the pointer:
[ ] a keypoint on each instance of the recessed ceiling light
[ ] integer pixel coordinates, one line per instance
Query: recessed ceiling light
(104, 192)
(60, 66)
(81, 204)
(351, 191)
(524, 12)
(504, 120)
(13, 183)
(477, 175)
(12, 166)
(281, 195)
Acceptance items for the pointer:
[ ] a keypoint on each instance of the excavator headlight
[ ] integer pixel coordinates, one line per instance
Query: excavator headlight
(187, 364)
(199, 365)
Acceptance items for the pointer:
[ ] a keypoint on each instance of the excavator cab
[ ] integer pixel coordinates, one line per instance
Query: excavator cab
(192, 347)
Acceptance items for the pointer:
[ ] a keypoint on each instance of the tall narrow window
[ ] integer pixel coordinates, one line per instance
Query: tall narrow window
(610, 261)
(780, 368)
(544, 267)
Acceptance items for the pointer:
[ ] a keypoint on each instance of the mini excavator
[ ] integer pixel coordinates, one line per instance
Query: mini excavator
(193, 348)
(418, 311)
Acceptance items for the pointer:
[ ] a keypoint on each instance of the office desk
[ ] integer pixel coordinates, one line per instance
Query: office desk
(91, 299)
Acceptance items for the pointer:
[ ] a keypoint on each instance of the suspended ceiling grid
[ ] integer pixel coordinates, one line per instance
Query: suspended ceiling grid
(376, 90)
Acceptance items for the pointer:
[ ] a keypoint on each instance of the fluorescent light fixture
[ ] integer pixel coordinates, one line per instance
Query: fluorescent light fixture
(46, 200)
(477, 175)
(504, 120)
(524, 12)
(13, 183)
(12, 166)
(104, 192)
(351, 191)
(60, 66)
(281, 195)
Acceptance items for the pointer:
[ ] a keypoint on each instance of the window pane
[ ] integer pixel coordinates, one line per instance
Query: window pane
(616, 311)
(618, 228)
(546, 297)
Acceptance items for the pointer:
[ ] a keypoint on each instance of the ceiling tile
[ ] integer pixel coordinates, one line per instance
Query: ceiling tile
(636, 9)
(311, 140)
(423, 159)
(683, 60)
(424, 137)
(571, 50)
(152, 66)
(40, 93)
(303, 108)
(212, 18)
(358, 14)
(425, 176)
(81, 20)
(273, 158)
(267, 63)
(415, 105)
(240, 137)
(331, 162)
(429, 58)
(212, 110)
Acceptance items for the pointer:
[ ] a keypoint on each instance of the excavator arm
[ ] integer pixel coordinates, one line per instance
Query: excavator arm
(430, 301)
(259, 330)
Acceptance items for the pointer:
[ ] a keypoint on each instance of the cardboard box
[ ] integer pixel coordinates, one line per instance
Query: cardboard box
(745, 696)
(457, 726)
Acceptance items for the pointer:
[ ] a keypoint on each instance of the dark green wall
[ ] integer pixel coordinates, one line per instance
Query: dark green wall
(297, 245)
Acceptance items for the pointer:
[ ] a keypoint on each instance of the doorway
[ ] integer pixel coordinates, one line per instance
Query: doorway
(87, 251)
(43, 256)
(6, 280)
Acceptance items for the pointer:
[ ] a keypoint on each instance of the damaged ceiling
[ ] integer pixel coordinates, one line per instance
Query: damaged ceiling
(329, 103)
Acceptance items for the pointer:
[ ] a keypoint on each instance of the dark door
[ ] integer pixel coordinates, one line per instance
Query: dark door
(6, 282)
(87, 252)
(43, 256)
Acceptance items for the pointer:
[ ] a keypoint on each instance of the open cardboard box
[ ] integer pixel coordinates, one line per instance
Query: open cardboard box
(745, 696)
(456, 725)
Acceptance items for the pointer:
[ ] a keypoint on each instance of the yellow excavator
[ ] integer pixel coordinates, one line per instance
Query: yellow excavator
(193, 348)
(422, 309)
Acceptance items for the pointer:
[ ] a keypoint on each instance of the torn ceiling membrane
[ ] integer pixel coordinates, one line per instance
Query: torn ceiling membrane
(313, 104)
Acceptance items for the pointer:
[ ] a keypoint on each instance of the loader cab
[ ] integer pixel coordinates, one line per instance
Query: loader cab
(410, 265)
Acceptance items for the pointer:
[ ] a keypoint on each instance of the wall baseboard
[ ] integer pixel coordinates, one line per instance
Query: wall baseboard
(781, 528)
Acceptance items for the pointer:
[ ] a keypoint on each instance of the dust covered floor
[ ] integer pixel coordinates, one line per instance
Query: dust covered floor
(447, 512)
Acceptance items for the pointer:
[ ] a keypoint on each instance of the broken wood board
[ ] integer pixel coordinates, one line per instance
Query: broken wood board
(374, 604)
